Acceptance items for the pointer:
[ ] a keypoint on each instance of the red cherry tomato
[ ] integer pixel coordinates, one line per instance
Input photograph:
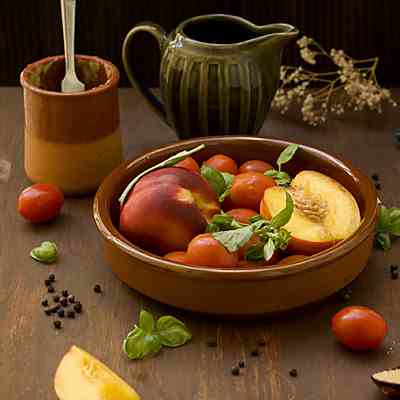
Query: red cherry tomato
(248, 189)
(177, 256)
(255, 166)
(204, 250)
(189, 163)
(359, 328)
(40, 202)
(242, 215)
(223, 163)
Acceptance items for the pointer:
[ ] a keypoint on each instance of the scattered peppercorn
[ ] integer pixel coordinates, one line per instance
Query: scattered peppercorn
(395, 275)
(235, 371)
(61, 313)
(261, 342)
(65, 293)
(78, 308)
(378, 186)
(56, 298)
(51, 289)
(293, 373)
(55, 308)
(64, 302)
(45, 303)
(47, 282)
(254, 353)
(57, 324)
(71, 299)
(212, 342)
(70, 314)
(375, 176)
(47, 311)
(97, 288)
(52, 278)
(394, 268)
(242, 364)
(345, 295)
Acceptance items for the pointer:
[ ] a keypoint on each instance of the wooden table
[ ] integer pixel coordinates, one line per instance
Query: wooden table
(31, 348)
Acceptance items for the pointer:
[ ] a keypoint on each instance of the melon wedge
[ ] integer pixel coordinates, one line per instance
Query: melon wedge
(325, 211)
(80, 376)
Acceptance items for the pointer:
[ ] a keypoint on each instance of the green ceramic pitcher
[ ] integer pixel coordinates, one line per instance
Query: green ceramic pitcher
(218, 73)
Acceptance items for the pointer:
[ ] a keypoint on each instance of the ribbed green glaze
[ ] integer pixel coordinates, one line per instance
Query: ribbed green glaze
(223, 84)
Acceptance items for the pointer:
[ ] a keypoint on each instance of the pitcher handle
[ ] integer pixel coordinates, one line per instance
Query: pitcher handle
(157, 32)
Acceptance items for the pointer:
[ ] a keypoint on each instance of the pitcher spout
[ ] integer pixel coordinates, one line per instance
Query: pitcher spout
(277, 34)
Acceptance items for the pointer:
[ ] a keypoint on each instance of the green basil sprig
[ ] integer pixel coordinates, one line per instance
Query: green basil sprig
(46, 253)
(388, 226)
(233, 235)
(169, 162)
(149, 336)
(221, 182)
(283, 178)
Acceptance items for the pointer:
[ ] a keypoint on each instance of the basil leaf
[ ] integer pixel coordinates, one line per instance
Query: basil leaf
(214, 178)
(281, 178)
(255, 218)
(255, 253)
(172, 331)
(46, 253)
(283, 217)
(146, 321)
(228, 178)
(268, 250)
(138, 344)
(166, 163)
(233, 240)
(286, 155)
(383, 241)
(223, 222)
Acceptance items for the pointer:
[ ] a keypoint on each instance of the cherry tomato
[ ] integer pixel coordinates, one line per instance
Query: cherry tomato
(254, 241)
(222, 163)
(204, 250)
(40, 202)
(248, 189)
(189, 163)
(291, 259)
(178, 256)
(255, 166)
(242, 215)
(359, 328)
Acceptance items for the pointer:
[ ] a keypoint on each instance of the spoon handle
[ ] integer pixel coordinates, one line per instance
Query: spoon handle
(68, 21)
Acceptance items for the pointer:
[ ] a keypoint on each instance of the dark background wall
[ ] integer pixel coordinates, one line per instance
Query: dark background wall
(30, 29)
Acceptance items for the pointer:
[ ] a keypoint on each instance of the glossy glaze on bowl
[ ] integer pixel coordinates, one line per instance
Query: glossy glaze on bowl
(235, 292)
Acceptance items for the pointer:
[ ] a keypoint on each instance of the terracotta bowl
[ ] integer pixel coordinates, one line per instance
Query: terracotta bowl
(238, 293)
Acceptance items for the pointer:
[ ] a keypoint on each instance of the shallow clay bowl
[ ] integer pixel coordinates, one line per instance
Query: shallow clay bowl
(238, 293)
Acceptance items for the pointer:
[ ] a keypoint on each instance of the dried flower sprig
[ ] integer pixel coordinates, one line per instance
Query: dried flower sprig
(350, 85)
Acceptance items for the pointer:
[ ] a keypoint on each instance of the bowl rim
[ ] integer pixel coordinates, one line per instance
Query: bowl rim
(114, 237)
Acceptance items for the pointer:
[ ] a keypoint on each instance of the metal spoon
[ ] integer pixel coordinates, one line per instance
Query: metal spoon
(70, 83)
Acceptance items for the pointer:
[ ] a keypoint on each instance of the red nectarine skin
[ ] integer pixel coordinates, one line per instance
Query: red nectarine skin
(242, 215)
(204, 196)
(161, 218)
(205, 251)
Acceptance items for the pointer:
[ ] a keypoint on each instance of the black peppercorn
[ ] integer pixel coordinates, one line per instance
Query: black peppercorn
(47, 282)
(55, 308)
(47, 311)
(64, 302)
(56, 298)
(375, 176)
(242, 364)
(45, 303)
(52, 278)
(70, 314)
(254, 353)
(71, 299)
(78, 308)
(293, 372)
(97, 288)
(64, 293)
(61, 313)
(261, 342)
(212, 342)
(378, 186)
(395, 275)
(57, 324)
(235, 371)
(394, 268)
(51, 289)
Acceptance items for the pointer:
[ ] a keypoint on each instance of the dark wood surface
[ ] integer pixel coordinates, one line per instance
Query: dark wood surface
(31, 349)
(30, 30)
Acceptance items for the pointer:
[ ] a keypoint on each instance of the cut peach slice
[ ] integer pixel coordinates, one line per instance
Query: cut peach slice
(325, 212)
(82, 377)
